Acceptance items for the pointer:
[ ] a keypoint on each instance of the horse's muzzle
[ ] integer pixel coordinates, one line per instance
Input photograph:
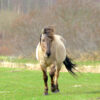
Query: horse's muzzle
(48, 54)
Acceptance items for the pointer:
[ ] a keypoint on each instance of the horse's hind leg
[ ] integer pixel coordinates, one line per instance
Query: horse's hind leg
(56, 78)
(52, 73)
(45, 77)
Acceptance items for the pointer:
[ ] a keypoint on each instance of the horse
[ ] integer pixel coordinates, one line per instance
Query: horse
(51, 52)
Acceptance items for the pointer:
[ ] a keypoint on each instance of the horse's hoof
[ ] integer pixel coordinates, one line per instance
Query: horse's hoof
(56, 91)
(45, 93)
(53, 90)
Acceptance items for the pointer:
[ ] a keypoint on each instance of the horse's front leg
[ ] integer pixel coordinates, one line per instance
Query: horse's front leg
(52, 73)
(56, 78)
(45, 78)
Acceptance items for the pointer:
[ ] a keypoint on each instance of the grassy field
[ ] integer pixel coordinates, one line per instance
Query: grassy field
(21, 84)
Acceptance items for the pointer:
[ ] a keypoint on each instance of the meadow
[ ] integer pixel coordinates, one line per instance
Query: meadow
(22, 84)
(21, 22)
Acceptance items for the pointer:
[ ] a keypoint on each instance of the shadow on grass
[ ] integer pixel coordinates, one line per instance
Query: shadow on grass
(93, 92)
(78, 93)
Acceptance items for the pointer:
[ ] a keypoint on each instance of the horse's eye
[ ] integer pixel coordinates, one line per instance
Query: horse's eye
(51, 40)
(43, 40)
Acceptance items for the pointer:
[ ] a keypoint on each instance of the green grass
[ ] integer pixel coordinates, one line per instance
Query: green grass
(21, 84)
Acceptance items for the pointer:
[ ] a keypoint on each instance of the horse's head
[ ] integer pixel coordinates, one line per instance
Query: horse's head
(46, 39)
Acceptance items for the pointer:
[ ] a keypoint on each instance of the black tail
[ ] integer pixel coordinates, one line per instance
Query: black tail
(69, 65)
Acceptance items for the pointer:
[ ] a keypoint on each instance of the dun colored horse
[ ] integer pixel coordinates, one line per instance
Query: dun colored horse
(51, 52)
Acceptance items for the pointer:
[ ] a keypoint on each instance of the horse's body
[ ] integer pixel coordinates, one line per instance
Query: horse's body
(52, 54)
(58, 53)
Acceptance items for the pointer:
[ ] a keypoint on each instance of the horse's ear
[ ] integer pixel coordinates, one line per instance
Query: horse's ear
(52, 28)
(47, 29)
(40, 37)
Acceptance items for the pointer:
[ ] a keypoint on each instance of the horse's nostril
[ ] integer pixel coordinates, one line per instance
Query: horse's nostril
(48, 54)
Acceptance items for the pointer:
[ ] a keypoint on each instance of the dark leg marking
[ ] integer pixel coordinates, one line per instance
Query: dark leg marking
(56, 79)
(45, 77)
(52, 73)
(56, 88)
